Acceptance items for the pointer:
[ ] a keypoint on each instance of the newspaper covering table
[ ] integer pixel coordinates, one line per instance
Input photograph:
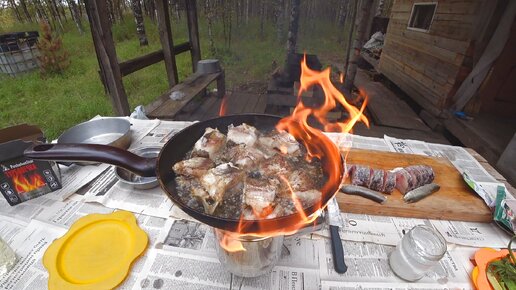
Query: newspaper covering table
(181, 252)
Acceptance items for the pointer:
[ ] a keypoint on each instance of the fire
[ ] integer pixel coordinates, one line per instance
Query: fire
(23, 184)
(297, 203)
(223, 105)
(318, 146)
(341, 77)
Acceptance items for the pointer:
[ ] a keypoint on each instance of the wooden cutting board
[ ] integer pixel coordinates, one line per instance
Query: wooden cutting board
(454, 201)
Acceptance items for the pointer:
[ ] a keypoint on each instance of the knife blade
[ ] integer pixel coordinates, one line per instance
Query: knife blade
(335, 222)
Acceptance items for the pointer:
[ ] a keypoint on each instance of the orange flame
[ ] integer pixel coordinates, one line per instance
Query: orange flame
(317, 144)
(23, 184)
(341, 77)
(223, 106)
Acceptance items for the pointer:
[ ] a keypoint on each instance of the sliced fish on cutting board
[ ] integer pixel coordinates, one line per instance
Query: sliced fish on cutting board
(454, 201)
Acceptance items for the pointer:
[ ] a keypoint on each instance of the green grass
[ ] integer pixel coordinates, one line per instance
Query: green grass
(57, 102)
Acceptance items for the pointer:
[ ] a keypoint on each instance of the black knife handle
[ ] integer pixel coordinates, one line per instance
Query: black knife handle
(338, 251)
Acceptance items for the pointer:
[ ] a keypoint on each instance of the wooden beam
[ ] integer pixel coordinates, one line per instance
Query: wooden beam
(193, 32)
(166, 108)
(132, 65)
(106, 55)
(129, 66)
(183, 47)
(165, 35)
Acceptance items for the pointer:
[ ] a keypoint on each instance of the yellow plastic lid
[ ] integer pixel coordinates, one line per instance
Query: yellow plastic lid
(96, 252)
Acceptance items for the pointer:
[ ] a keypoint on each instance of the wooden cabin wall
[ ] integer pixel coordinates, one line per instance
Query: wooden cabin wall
(426, 65)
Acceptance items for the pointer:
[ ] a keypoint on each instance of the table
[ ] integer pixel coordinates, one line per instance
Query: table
(181, 252)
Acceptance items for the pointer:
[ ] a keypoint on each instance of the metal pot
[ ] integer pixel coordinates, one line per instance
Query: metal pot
(260, 256)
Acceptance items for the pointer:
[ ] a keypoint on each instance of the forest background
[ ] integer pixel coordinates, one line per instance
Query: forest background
(249, 37)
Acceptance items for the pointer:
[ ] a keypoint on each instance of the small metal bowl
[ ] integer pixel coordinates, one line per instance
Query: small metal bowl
(208, 66)
(136, 181)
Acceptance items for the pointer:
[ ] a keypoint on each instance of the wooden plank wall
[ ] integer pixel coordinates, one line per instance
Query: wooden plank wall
(426, 64)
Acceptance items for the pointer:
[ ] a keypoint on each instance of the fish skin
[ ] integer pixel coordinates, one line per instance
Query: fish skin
(363, 192)
(421, 192)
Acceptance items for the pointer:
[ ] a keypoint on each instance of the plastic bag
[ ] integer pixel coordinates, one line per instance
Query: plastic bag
(376, 40)
(139, 113)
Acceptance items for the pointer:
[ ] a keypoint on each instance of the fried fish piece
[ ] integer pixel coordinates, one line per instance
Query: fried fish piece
(242, 134)
(194, 187)
(245, 157)
(277, 164)
(301, 180)
(279, 141)
(220, 179)
(259, 194)
(308, 197)
(210, 144)
(193, 167)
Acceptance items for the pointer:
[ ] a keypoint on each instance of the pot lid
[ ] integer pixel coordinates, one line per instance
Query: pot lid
(96, 252)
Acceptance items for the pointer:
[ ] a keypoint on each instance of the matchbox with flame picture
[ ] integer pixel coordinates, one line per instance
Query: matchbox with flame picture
(22, 179)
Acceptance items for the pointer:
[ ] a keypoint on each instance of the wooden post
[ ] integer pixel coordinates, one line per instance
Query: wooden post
(506, 162)
(221, 85)
(106, 55)
(353, 6)
(293, 27)
(361, 26)
(193, 32)
(165, 35)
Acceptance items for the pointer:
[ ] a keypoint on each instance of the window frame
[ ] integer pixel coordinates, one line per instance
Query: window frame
(412, 14)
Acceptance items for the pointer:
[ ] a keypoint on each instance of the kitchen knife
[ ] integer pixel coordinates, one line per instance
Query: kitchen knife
(335, 221)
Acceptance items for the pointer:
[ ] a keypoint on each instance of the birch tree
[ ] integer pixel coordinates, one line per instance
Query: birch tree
(40, 12)
(341, 18)
(138, 18)
(54, 13)
(208, 9)
(262, 18)
(293, 27)
(23, 5)
(279, 19)
(74, 10)
(15, 9)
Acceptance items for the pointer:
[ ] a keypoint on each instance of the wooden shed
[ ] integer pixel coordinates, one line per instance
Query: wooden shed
(432, 46)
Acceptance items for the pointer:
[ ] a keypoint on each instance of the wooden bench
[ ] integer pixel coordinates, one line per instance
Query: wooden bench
(165, 108)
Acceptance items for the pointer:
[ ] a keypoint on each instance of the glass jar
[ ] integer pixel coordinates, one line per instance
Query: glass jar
(419, 250)
(7, 258)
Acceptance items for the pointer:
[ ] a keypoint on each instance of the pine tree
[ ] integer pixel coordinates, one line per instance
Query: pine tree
(53, 58)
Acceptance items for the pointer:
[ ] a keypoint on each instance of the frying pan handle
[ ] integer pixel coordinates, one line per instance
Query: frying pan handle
(91, 152)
